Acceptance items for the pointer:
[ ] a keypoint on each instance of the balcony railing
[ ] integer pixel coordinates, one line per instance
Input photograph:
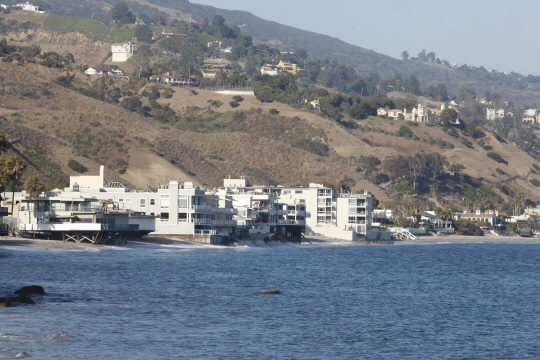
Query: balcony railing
(111, 227)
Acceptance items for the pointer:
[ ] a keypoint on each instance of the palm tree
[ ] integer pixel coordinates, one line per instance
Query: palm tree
(189, 66)
(447, 214)
(16, 167)
(4, 177)
(341, 184)
(33, 186)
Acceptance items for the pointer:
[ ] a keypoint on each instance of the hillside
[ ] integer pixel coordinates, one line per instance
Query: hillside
(288, 38)
(196, 135)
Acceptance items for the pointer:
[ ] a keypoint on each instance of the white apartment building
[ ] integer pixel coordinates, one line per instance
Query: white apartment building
(121, 52)
(180, 209)
(316, 208)
(492, 114)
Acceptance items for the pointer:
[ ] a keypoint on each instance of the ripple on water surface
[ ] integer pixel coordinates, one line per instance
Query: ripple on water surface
(195, 301)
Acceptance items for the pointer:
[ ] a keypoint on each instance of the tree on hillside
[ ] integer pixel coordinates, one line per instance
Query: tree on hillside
(205, 26)
(158, 20)
(422, 55)
(143, 33)
(302, 54)
(448, 116)
(4, 144)
(441, 93)
(431, 56)
(412, 85)
(120, 13)
(405, 55)
(466, 95)
(368, 164)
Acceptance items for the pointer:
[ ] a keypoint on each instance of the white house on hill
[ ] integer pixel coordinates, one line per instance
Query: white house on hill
(121, 52)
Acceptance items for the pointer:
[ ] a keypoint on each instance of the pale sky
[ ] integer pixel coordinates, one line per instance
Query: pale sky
(496, 34)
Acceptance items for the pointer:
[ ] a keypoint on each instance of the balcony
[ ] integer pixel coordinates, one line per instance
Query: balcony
(230, 211)
(296, 222)
(263, 208)
(200, 207)
(224, 222)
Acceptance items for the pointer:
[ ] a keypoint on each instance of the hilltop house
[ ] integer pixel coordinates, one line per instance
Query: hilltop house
(531, 116)
(165, 34)
(382, 112)
(103, 71)
(121, 52)
(492, 114)
(394, 114)
(420, 114)
(286, 66)
(24, 6)
(175, 79)
(270, 70)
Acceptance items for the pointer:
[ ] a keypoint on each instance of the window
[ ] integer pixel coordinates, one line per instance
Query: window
(297, 191)
(152, 202)
(142, 203)
(286, 191)
(152, 214)
(352, 219)
(352, 201)
(182, 201)
(121, 200)
(128, 200)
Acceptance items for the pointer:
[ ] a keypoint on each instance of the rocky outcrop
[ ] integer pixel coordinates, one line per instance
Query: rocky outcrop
(270, 292)
(32, 289)
(6, 302)
(23, 298)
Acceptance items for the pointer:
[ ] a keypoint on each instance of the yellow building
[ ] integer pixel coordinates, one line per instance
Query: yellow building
(286, 66)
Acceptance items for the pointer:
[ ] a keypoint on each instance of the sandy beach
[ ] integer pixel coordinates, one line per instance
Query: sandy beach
(310, 239)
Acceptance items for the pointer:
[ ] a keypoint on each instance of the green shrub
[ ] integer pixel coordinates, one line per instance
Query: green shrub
(535, 167)
(430, 124)
(494, 156)
(75, 166)
(166, 94)
(465, 142)
(273, 111)
(534, 182)
(405, 131)
(234, 104)
(314, 147)
(500, 171)
(412, 123)
(238, 98)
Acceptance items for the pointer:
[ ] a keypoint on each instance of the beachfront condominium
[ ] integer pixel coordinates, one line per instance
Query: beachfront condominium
(316, 208)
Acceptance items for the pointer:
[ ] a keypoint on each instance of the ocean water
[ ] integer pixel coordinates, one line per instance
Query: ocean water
(410, 301)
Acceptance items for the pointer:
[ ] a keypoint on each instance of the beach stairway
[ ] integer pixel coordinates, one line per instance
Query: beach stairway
(406, 234)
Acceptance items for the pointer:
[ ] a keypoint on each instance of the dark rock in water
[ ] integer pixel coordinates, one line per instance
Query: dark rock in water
(6, 302)
(33, 289)
(270, 292)
(23, 298)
